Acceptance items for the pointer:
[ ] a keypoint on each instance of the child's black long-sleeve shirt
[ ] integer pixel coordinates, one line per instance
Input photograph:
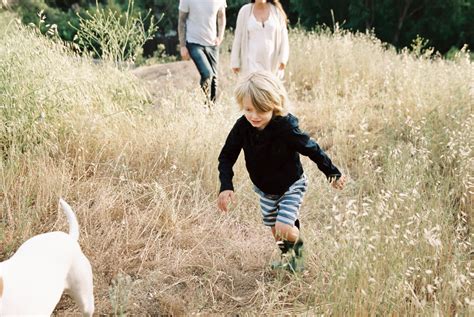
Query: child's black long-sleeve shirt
(271, 155)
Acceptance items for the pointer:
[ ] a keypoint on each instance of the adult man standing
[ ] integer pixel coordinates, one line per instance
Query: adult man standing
(201, 28)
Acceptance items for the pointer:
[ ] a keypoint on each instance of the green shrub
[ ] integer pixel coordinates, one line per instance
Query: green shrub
(35, 11)
(112, 35)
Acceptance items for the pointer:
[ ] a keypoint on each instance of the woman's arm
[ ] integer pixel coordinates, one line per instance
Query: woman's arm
(235, 57)
(284, 45)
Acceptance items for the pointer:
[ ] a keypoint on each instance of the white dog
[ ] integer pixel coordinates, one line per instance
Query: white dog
(34, 278)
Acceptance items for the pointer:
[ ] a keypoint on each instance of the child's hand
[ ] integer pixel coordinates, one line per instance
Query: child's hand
(225, 197)
(339, 183)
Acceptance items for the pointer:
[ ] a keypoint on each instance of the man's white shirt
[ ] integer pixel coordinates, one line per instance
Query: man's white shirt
(201, 24)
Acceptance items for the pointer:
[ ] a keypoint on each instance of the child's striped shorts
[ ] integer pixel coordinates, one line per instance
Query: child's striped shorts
(284, 208)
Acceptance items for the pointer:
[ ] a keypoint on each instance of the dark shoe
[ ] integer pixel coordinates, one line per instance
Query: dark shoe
(286, 262)
(298, 248)
(291, 256)
(298, 259)
(285, 246)
(289, 263)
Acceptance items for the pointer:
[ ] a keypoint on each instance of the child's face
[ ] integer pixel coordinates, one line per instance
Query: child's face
(257, 119)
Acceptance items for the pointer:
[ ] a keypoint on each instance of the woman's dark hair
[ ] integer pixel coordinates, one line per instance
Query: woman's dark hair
(277, 4)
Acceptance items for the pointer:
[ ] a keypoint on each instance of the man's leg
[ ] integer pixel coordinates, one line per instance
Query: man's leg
(213, 58)
(199, 56)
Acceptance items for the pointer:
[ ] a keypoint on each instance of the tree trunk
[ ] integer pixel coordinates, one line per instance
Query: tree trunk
(401, 20)
(369, 5)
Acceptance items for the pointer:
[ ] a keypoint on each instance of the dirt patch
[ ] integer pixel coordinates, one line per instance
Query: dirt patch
(182, 74)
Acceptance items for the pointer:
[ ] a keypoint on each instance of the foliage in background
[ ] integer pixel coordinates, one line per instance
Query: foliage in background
(446, 24)
(62, 16)
(112, 35)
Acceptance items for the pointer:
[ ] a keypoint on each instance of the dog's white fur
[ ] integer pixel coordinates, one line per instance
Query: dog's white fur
(34, 278)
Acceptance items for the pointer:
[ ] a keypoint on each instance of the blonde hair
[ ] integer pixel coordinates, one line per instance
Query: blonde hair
(266, 92)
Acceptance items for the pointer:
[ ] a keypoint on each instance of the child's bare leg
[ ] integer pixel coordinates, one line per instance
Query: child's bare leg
(291, 246)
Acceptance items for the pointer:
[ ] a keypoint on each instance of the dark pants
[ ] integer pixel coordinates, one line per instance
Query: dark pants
(206, 59)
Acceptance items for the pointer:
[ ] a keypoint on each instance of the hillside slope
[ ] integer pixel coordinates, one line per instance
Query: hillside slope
(135, 154)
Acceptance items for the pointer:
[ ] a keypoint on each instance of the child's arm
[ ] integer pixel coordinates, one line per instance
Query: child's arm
(338, 182)
(304, 145)
(227, 158)
(225, 197)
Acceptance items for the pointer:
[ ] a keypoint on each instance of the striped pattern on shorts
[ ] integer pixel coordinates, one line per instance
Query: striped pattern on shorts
(284, 208)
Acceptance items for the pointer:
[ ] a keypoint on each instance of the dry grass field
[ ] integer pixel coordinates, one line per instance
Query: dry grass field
(134, 152)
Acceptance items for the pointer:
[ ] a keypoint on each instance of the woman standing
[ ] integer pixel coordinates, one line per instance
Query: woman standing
(261, 38)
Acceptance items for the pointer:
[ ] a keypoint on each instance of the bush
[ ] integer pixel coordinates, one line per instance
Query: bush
(114, 36)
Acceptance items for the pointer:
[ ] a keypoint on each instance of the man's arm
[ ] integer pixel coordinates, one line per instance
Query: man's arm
(183, 16)
(220, 25)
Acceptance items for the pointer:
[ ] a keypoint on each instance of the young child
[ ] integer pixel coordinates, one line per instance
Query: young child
(272, 142)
